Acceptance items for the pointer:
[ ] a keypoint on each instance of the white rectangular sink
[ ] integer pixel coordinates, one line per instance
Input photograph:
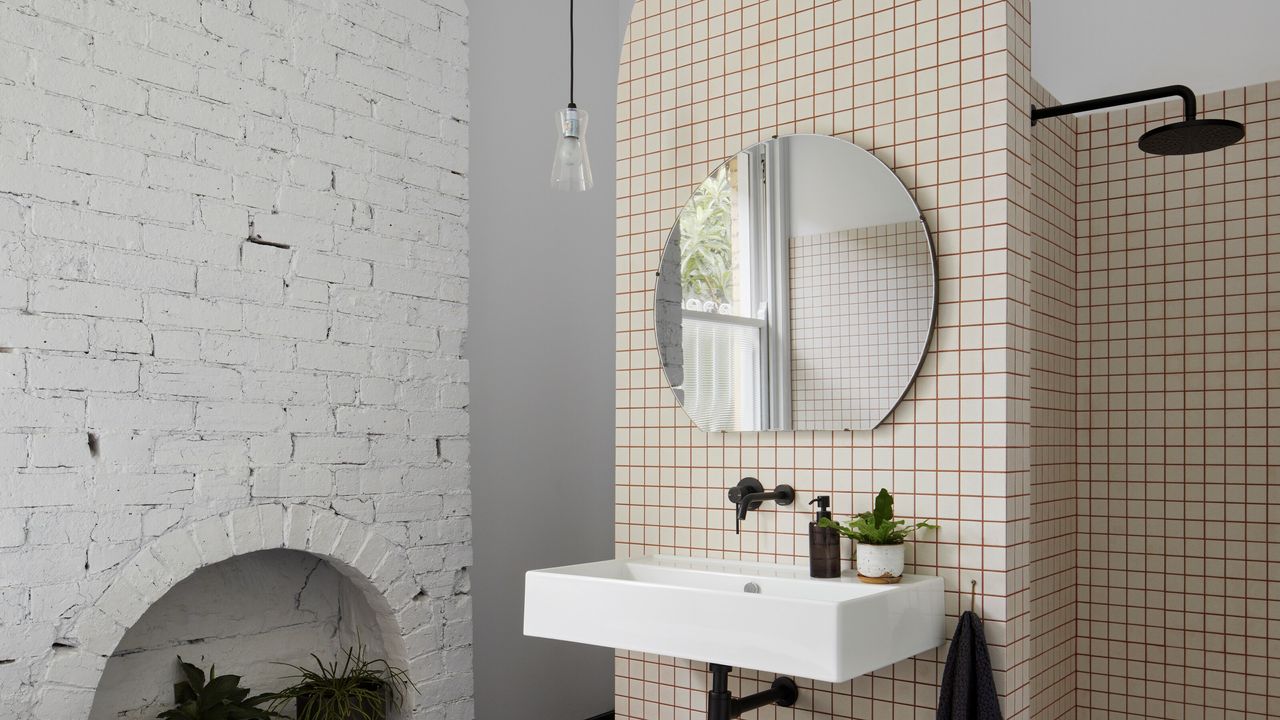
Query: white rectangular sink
(698, 609)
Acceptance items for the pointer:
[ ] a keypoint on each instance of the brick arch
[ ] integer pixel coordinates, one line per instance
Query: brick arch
(376, 566)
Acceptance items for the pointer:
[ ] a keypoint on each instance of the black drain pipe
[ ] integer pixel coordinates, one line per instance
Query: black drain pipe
(722, 705)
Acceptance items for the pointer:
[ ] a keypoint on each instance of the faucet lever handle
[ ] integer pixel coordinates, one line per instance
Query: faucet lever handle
(746, 486)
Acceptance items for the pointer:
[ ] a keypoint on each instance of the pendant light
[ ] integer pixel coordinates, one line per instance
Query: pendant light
(571, 168)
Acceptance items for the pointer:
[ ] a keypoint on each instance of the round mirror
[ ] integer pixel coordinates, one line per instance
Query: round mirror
(797, 290)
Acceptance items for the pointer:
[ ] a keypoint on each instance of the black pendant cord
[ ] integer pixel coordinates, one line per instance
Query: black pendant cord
(1182, 91)
(571, 103)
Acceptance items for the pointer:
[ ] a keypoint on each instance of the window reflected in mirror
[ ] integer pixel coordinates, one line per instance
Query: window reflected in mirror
(797, 291)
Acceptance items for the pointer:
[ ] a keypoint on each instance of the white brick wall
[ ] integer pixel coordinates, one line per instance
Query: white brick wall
(148, 149)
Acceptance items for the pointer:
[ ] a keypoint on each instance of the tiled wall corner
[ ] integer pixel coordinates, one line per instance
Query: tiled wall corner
(1053, 419)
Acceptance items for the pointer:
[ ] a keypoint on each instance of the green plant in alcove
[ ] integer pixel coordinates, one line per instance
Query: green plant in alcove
(220, 697)
(706, 251)
(878, 526)
(358, 688)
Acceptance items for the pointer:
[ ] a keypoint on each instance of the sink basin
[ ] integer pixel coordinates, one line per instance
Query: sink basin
(760, 616)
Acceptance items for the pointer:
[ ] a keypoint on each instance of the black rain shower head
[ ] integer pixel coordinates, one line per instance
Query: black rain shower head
(1191, 136)
(1186, 137)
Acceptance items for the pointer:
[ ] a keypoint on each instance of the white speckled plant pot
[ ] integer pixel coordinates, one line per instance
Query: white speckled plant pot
(881, 564)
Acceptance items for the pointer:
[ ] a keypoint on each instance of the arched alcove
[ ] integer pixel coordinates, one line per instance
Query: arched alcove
(245, 615)
(403, 624)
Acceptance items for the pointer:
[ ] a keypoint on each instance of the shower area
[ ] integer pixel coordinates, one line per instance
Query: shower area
(1155, 271)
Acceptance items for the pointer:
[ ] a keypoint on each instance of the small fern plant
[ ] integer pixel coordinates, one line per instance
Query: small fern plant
(355, 689)
(877, 527)
(218, 698)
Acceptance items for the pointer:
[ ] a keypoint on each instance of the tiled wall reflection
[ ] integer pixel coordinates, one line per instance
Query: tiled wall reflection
(861, 301)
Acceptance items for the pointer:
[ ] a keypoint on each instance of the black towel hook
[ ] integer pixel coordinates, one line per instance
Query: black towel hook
(973, 593)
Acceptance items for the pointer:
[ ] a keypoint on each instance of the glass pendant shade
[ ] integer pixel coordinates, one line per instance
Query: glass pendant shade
(571, 168)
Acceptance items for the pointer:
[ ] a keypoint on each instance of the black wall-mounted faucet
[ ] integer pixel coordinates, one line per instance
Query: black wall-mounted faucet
(748, 494)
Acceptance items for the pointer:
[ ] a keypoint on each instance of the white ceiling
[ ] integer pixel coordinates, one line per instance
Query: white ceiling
(1082, 49)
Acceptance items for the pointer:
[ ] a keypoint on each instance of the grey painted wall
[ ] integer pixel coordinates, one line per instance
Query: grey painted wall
(541, 344)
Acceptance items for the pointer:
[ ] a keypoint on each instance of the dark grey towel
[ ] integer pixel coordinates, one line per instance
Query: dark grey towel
(968, 688)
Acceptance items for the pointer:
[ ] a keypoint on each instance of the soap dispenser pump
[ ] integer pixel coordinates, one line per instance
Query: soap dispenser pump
(824, 542)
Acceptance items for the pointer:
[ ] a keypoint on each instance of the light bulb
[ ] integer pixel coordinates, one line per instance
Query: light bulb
(571, 168)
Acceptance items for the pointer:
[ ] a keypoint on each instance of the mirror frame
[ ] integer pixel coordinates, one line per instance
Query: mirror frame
(933, 310)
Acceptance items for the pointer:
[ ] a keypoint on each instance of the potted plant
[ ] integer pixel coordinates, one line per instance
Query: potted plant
(220, 698)
(358, 689)
(881, 553)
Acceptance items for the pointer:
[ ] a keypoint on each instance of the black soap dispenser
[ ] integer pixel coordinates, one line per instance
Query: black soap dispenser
(824, 543)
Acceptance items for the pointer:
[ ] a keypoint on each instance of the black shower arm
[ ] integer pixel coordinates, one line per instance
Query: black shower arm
(1182, 91)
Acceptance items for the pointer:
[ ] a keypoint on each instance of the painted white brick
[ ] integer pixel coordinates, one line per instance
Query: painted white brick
(41, 33)
(142, 271)
(255, 287)
(67, 222)
(332, 268)
(176, 344)
(268, 133)
(13, 370)
(179, 175)
(18, 410)
(294, 231)
(195, 47)
(121, 336)
(193, 312)
(331, 450)
(13, 529)
(134, 62)
(81, 373)
(264, 259)
(270, 449)
(86, 156)
(247, 351)
(50, 450)
(330, 356)
(219, 86)
(405, 280)
(142, 488)
(145, 133)
(29, 105)
(13, 450)
(309, 419)
(300, 388)
(191, 112)
(254, 192)
(141, 144)
(239, 416)
(197, 381)
(223, 217)
(286, 322)
(377, 391)
(132, 201)
(372, 420)
(191, 245)
(201, 451)
(18, 177)
(13, 292)
(43, 333)
(85, 299)
(45, 489)
(308, 293)
(137, 413)
(293, 481)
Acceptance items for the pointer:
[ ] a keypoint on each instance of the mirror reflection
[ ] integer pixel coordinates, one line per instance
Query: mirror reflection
(797, 290)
